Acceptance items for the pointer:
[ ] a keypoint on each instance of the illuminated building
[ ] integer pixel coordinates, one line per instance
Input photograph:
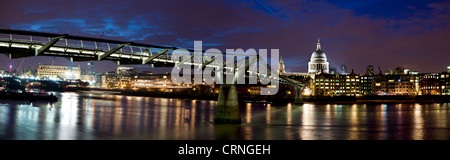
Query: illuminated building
(124, 82)
(395, 87)
(395, 84)
(58, 72)
(112, 80)
(366, 82)
(150, 81)
(435, 84)
(429, 84)
(445, 83)
(91, 78)
(358, 85)
(399, 81)
(94, 79)
(109, 80)
(119, 79)
(122, 70)
(318, 62)
(337, 85)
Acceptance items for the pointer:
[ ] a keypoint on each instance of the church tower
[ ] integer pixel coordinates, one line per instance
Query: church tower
(281, 66)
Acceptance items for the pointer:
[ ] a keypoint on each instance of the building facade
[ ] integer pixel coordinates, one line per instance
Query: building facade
(396, 83)
(58, 72)
(435, 84)
(366, 82)
(154, 81)
(124, 70)
(325, 84)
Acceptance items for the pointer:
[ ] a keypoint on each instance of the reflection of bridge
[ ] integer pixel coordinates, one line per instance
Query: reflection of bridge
(18, 44)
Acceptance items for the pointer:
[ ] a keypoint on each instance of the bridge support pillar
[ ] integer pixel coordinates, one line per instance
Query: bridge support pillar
(298, 96)
(227, 110)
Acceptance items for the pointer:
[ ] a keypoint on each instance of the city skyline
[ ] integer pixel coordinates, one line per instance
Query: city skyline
(409, 34)
(84, 66)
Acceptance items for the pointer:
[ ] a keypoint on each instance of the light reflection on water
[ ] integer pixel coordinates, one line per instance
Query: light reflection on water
(93, 116)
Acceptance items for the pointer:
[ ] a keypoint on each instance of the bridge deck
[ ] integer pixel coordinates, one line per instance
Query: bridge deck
(19, 44)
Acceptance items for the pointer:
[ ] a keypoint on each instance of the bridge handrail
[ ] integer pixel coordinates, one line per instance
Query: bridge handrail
(99, 40)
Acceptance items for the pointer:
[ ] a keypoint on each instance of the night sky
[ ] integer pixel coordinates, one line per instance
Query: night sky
(382, 33)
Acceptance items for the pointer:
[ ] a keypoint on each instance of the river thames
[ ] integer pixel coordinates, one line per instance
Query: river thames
(92, 116)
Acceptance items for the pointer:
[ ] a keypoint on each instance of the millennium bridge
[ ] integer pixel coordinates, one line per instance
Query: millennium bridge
(21, 44)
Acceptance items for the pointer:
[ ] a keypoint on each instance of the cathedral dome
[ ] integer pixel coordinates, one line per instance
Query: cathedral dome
(318, 56)
(318, 61)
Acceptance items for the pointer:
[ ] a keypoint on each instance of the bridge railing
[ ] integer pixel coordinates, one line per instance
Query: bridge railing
(80, 45)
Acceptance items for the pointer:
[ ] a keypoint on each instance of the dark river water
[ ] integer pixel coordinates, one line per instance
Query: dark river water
(90, 116)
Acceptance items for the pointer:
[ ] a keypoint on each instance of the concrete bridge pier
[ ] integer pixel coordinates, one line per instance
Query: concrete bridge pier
(227, 110)
(298, 95)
